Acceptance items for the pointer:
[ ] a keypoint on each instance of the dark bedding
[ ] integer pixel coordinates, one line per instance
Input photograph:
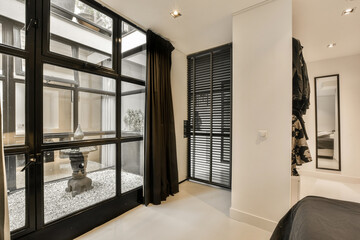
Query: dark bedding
(325, 142)
(318, 218)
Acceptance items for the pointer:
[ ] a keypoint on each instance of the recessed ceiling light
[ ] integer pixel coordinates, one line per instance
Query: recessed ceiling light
(175, 14)
(348, 11)
(331, 45)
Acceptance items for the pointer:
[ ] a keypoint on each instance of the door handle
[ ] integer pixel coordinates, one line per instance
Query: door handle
(32, 161)
(32, 23)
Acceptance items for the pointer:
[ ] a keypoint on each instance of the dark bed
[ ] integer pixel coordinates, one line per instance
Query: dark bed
(318, 218)
(325, 142)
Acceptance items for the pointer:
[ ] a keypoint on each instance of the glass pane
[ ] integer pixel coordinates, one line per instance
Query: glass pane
(16, 190)
(133, 52)
(92, 108)
(12, 95)
(96, 82)
(77, 178)
(1, 34)
(58, 114)
(69, 93)
(54, 75)
(132, 109)
(19, 109)
(12, 23)
(132, 165)
(80, 31)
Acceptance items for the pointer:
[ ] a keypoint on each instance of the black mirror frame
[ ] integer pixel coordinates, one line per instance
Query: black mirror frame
(316, 121)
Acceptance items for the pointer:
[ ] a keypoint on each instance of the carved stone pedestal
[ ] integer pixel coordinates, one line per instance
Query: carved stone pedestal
(77, 186)
(78, 159)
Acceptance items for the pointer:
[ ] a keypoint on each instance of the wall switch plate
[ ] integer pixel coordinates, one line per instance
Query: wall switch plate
(263, 133)
(186, 129)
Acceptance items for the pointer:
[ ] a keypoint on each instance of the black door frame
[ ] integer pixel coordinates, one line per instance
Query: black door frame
(28, 147)
(191, 95)
(36, 54)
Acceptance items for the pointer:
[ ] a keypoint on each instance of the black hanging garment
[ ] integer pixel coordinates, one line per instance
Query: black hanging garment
(301, 85)
(300, 103)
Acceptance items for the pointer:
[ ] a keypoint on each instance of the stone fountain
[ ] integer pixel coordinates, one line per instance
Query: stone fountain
(78, 159)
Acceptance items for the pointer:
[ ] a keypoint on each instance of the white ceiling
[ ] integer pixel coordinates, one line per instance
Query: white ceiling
(204, 23)
(317, 23)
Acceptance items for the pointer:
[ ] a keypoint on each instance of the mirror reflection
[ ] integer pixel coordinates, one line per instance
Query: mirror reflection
(327, 122)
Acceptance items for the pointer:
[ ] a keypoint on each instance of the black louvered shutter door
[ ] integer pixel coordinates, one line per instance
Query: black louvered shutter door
(209, 116)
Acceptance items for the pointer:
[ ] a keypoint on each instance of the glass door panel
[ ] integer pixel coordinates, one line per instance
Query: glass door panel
(132, 165)
(12, 95)
(13, 106)
(16, 185)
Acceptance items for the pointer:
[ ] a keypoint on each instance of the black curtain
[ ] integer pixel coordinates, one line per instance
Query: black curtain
(161, 173)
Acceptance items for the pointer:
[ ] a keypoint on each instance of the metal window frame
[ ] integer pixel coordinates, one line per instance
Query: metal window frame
(36, 53)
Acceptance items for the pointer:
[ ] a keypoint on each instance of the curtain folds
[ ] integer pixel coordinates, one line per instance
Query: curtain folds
(161, 173)
(4, 212)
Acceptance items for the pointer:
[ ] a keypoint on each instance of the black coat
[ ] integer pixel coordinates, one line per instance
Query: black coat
(301, 85)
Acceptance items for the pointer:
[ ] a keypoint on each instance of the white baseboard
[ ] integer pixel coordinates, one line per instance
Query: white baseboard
(263, 223)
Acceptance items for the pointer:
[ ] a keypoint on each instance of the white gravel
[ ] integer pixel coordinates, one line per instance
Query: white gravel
(59, 203)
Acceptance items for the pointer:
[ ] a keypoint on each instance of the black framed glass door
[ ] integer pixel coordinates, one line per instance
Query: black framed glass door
(209, 116)
(72, 88)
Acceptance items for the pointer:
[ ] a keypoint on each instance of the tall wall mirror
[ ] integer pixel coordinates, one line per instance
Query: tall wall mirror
(327, 122)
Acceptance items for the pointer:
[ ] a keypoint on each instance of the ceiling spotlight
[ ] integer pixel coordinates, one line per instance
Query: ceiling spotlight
(175, 14)
(331, 45)
(348, 11)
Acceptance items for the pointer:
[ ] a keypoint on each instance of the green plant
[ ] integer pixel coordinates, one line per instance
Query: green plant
(134, 120)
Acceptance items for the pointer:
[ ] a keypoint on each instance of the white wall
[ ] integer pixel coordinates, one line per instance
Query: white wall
(179, 95)
(262, 88)
(349, 70)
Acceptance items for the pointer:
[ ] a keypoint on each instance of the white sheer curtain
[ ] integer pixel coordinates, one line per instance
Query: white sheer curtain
(108, 104)
(4, 212)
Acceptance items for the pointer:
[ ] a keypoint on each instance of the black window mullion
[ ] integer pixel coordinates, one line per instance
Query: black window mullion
(118, 106)
(82, 143)
(132, 139)
(133, 80)
(133, 92)
(75, 64)
(116, 44)
(14, 51)
(134, 51)
(16, 150)
(40, 44)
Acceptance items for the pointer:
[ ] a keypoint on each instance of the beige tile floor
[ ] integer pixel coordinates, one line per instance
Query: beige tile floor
(196, 212)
